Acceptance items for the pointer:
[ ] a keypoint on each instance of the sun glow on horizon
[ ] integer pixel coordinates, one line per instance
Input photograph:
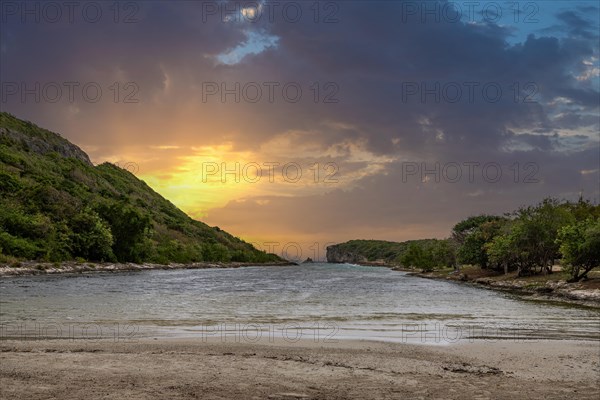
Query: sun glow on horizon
(192, 184)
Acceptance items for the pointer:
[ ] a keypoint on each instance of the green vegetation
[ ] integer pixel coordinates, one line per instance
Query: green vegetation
(580, 246)
(532, 239)
(529, 241)
(56, 206)
(471, 235)
(424, 254)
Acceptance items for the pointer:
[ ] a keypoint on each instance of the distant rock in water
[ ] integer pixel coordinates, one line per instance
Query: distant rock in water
(308, 261)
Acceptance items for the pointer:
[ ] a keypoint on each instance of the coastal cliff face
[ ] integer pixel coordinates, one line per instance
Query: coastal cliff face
(373, 252)
(336, 254)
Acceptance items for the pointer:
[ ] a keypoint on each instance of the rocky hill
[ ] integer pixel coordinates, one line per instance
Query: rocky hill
(55, 205)
(372, 251)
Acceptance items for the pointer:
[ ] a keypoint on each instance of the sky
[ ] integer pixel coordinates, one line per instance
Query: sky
(295, 125)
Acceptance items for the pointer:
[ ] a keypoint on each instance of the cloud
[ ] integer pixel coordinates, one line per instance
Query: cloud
(376, 92)
(255, 43)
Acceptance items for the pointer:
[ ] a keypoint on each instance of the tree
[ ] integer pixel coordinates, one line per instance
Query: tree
(466, 227)
(503, 251)
(416, 256)
(18, 247)
(580, 247)
(528, 241)
(216, 252)
(536, 231)
(444, 254)
(91, 237)
(130, 229)
(583, 209)
(473, 234)
(241, 256)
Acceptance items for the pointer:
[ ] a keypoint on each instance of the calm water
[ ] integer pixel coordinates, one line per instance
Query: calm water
(319, 302)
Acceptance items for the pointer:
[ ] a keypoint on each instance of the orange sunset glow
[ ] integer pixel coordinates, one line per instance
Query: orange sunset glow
(350, 141)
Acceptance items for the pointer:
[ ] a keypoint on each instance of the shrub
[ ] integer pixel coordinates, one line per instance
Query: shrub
(91, 237)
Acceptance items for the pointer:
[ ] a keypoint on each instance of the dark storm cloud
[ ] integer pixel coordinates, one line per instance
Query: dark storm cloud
(385, 67)
(164, 33)
(373, 55)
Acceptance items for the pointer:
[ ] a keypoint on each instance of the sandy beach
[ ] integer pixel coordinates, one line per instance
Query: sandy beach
(211, 369)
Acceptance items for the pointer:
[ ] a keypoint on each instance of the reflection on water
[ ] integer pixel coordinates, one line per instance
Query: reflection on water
(317, 301)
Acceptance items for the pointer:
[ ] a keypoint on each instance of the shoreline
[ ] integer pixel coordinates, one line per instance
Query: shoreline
(348, 369)
(32, 268)
(560, 292)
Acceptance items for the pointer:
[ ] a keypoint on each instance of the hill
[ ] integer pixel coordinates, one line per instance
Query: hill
(55, 205)
(373, 251)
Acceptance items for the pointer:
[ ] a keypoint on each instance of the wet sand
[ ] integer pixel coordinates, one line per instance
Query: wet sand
(197, 369)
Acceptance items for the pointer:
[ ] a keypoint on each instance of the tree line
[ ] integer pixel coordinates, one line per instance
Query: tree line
(529, 240)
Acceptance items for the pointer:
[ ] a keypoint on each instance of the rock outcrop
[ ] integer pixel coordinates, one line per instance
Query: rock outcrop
(335, 254)
(52, 143)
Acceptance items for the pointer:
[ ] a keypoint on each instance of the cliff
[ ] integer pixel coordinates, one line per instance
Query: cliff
(340, 254)
(376, 252)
